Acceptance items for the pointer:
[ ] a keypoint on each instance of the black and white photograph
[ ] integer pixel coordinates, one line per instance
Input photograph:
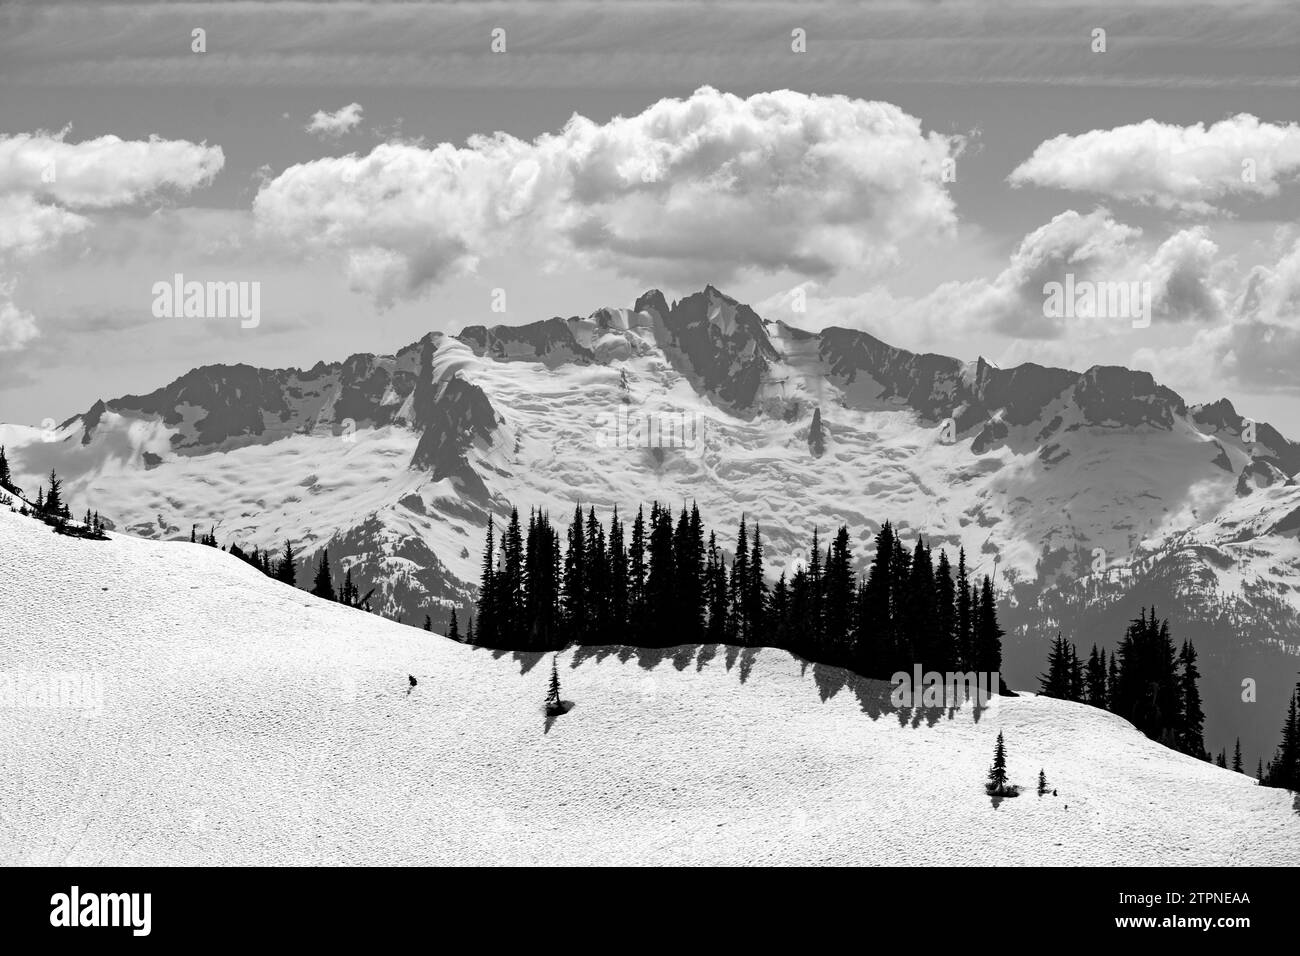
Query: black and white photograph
(651, 434)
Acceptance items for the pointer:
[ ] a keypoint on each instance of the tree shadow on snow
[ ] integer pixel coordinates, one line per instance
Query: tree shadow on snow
(873, 695)
(565, 707)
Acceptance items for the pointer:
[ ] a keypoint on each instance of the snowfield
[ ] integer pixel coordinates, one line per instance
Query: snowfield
(244, 722)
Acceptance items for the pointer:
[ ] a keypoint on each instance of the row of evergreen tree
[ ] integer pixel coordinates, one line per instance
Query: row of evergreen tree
(1147, 681)
(282, 565)
(1154, 687)
(664, 582)
(1284, 769)
(52, 506)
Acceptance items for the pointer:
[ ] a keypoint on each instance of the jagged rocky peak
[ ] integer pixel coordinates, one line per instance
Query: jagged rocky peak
(225, 406)
(720, 342)
(551, 341)
(451, 414)
(652, 301)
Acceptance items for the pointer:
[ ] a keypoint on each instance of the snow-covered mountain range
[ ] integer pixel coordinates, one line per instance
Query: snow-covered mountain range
(1085, 494)
(166, 703)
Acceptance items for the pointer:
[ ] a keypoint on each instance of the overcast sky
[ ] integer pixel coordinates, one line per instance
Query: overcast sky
(380, 170)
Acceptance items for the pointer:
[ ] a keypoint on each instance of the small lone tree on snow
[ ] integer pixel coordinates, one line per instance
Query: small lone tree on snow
(554, 705)
(997, 785)
(1042, 783)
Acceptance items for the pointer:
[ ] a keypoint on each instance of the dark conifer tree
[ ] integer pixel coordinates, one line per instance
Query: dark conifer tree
(1095, 678)
(1042, 783)
(285, 570)
(1112, 681)
(574, 598)
(509, 589)
(965, 616)
(1056, 682)
(661, 577)
(487, 589)
(997, 781)
(875, 635)
(553, 703)
(6, 479)
(597, 573)
(1077, 679)
(815, 623)
(739, 581)
(1190, 733)
(323, 585)
(688, 565)
(469, 633)
(428, 623)
(988, 635)
(618, 582)
(840, 597)
(1222, 759)
(348, 594)
(1284, 770)
(922, 610)
(453, 627)
(778, 613)
(945, 644)
(636, 575)
(1236, 756)
(715, 576)
(54, 497)
(756, 594)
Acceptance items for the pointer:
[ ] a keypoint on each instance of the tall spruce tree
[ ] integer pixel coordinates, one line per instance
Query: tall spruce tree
(553, 703)
(997, 779)
(988, 635)
(1056, 682)
(1095, 678)
(453, 627)
(965, 616)
(945, 645)
(53, 504)
(636, 575)
(1284, 770)
(755, 599)
(487, 589)
(285, 570)
(840, 597)
(1191, 738)
(619, 601)
(323, 585)
(574, 597)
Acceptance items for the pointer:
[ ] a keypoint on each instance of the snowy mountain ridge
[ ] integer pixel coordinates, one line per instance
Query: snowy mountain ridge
(1058, 483)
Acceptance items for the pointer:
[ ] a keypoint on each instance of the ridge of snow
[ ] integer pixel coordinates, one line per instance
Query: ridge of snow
(244, 722)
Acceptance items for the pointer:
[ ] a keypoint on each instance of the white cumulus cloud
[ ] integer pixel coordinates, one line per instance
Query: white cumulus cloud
(103, 172)
(1187, 168)
(689, 189)
(341, 121)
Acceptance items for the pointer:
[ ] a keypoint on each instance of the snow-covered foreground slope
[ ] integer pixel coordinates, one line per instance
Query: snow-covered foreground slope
(245, 722)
